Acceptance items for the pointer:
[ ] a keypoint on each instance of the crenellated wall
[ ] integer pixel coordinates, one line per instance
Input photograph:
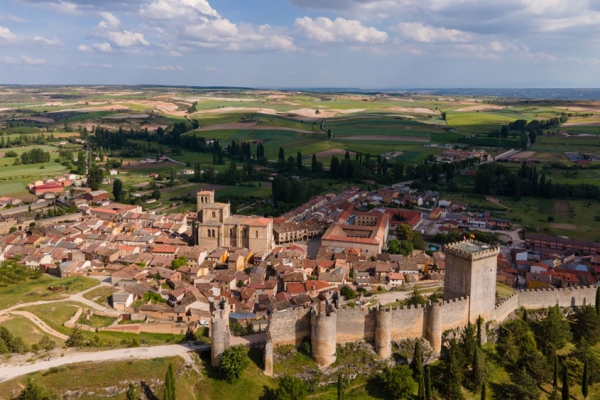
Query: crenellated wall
(506, 306)
(569, 297)
(455, 313)
(354, 324)
(291, 326)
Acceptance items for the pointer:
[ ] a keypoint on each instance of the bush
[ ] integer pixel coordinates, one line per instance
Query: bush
(291, 388)
(233, 362)
(10, 154)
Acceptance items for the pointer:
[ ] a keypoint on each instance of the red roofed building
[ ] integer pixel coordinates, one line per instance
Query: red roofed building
(50, 187)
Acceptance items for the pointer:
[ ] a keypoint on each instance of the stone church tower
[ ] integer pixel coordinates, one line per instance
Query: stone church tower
(471, 272)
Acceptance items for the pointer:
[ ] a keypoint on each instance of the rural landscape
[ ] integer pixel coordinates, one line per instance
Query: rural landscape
(113, 283)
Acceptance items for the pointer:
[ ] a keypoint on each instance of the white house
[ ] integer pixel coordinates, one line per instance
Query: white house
(396, 278)
(445, 203)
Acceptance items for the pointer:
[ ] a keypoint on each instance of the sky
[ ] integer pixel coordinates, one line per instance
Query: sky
(369, 44)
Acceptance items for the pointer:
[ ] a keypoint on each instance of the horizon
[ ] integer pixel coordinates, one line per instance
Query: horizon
(301, 43)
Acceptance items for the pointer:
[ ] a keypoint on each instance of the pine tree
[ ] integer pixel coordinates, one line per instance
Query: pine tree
(479, 322)
(585, 379)
(281, 154)
(299, 160)
(313, 164)
(483, 391)
(555, 381)
(342, 384)
(417, 361)
(421, 393)
(565, 384)
(598, 301)
(427, 383)
(169, 391)
(131, 393)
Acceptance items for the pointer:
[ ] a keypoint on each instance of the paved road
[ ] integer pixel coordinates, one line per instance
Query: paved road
(11, 371)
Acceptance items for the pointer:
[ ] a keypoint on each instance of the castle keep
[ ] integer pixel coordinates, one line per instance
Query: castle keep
(470, 292)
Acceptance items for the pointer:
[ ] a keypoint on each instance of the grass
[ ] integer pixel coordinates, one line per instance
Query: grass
(100, 295)
(56, 314)
(250, 386)
(503, 290)
(25, 329)
(93, 378)
(96, 321)
(35, 290)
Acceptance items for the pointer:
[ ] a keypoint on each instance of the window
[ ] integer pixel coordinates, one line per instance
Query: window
(231, 232)
(214, 215)
(256, 234)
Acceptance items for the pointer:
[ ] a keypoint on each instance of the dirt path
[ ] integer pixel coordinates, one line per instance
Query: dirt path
(41, 324)
(11, 371)
(495, 201)
(251, 126)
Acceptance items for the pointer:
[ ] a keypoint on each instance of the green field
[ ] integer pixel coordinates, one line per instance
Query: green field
(35, 290)
(25, 329)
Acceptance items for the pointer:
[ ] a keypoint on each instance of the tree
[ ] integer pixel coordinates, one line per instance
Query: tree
(95, 178)
(233, 362)
(479, 322)
(398, 170)
(403, 232)
(156, 194)
(416, 299)
(417, 361)
(598, 301)
(281, 154)
(117, 189)
(299, 160)
(525, 387)
(75, 338)
(586, 325)
(554, 331)
(291, 388)
(131, 393)
(428, 391)
(33, 391)
(178, 262)
(342, 384)
(585, 380)
(484, 392)
(565, 384)
(169, 390)
(347, 292)
(398, 381)
(555, 379)
(479, 370)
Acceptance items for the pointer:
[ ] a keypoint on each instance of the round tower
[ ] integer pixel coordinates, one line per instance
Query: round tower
(322, 338)
(433, 325)
(383, 332)
(219, 333)
(269, 357)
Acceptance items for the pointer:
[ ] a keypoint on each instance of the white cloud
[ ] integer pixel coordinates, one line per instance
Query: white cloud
(92, 65)
(22, 60)
(32, 61)
(172, 9)
(84, 48)
(54, 42)
(126, 38)
(222, 34)
(340, 30)
(103, 47)
(11, 18)
(209, 69)
(162, 67)
(6, 35)
(110, 21)
(419, 32)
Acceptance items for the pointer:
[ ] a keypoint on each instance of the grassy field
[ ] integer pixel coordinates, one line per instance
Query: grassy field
(25, 329)
(94, 378)
(35, 290)
(100, 295)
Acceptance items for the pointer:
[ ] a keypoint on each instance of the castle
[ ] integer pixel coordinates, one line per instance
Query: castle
(469, 293)
(218, 228)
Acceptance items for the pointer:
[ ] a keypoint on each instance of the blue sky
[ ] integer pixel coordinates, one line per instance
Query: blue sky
(302, 43)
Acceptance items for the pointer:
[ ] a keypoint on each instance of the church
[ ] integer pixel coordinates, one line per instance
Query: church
(218, 228)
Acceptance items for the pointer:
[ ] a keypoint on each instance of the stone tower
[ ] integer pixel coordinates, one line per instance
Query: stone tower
(471, 272)
(204, 197)
(219, 332)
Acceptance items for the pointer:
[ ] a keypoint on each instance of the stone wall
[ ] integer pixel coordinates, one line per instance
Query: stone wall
(569, 297)
(354, 324)
(407, 323)
(455, 313)
(289, 326)
(506, 306)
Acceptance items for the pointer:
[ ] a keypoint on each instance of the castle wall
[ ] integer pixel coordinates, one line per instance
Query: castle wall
(506, 306)
(569, 297)
(407, 323)
(290, 327)
(323, 337)
(383, 332)
(455, 313)
(355, 324)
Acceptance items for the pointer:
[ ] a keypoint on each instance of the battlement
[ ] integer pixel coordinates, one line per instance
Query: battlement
(471, 250)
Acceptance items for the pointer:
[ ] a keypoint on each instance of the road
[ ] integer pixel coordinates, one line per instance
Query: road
(41, 324)
(11, 371)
